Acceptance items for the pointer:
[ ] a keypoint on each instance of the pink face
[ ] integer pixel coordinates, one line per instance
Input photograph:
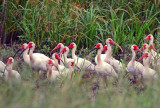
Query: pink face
(57, 57)
(97, 46)
(71, 45)
(136, 48)
(105, 48)
(148, 37)
(63, 50)
(50, 62)
(22, 47)
(30, 44)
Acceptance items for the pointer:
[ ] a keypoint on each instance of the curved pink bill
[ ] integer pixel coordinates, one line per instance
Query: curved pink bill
(116, 45)
(147, 37)
(138, 49)
(57, 57)
(72, 64)
(104, 48)
(63, 50)
(144, 55)
(152, 47)
(77, 66)
(57, 47)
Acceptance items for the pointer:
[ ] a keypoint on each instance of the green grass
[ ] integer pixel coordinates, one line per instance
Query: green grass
(48, 22)
(83, 22)
(74, 93)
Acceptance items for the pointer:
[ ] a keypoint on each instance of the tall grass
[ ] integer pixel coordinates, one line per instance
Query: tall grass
(73, 93)
(84, 22)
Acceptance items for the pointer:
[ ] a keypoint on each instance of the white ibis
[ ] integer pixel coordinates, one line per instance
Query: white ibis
(25, 53)
(134, 68)
(153, 50)
(145, 47)
(102, 67)
(109, 50)
(81, 62)
(52, 75)
(66, 59)
(11, 74)
(3, 71)
(117, 65)
(148, 73)
(37, 60)
(61, 46)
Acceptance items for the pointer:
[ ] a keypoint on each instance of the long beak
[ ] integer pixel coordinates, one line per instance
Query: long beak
(77, 66)
(54, 49)
(61, 51)
(144, 55)
(16, 53)
(152, 47)
(63, 62)
(117, 45)
(22, 52)
(139, 50)
(90, 51)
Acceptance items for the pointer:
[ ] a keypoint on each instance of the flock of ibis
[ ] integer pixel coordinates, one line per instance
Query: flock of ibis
(106, 64)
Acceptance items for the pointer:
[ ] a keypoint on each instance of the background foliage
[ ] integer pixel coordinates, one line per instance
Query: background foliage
(48, 22)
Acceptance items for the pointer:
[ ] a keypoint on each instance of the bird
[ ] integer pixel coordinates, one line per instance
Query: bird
(9, 73)
(103, 68)
(145, 47)
(133, 67)
(154, 54)
(148, 73)
(52, 75)
(109, 52)
(3, 71)
(65, 50)
(61, 46)
(117, 65)
(37, 60)
(81, 62)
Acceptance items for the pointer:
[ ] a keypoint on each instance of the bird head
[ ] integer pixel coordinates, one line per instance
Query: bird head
(135, 47)
(109, 40)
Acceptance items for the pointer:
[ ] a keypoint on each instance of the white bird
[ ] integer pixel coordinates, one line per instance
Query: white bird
(62, 69)
(102, 67)
(65, 50)
(52, 75)
(145, 47)
(61, 46)
(117, 65)
(148, 73)
(109, 52)
(155, 56)
(37, 60)
(10, 74)
(134, 68)
(81, 62)
(3, 71)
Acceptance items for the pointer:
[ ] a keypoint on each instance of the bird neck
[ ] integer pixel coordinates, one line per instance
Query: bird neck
(73, 52)
(99, 61)
(151, 42)
(65, 58)
(56, 63)
(25, 53)
(9, 67)
(31, 53)
(60, 50)
(49, 73)
(146, 62)
(133, 56)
